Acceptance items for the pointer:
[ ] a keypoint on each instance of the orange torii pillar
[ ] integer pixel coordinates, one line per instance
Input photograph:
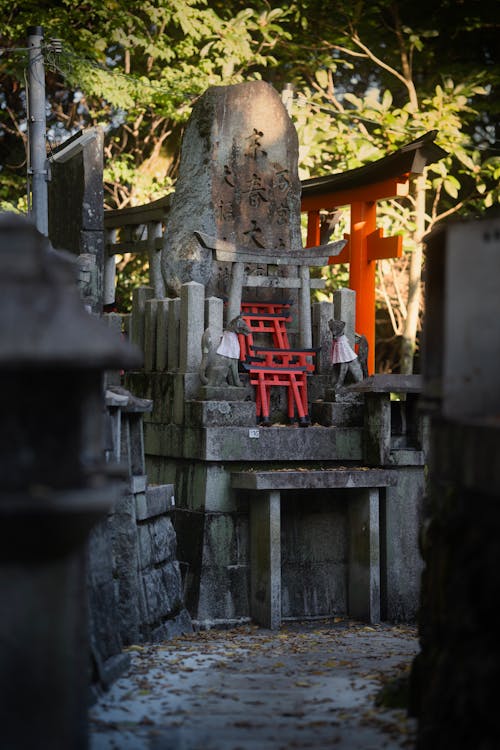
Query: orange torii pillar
(365, 244)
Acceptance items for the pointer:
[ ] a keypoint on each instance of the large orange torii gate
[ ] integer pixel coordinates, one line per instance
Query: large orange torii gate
(361, 188)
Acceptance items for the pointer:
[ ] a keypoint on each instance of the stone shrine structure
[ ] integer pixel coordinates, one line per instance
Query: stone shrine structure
(271, 522)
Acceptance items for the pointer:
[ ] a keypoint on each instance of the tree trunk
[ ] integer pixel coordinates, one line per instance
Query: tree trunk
(414, 281)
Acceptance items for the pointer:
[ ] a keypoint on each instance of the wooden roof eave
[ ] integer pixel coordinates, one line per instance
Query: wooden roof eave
(389, 172)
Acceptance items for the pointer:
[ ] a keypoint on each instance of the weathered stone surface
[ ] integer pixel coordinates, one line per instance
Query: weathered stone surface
(335, 478)
(225, 540)
(461, 341)
(314, 555)
(138, 484)
(157, 542)
(344, 305)
(75, 209)
(254, 444)
(162, 592)
(113, 668)
(313, 589)
(104, 622)
(156, 501)
(238, 181)
(401, 522)
(322, 312)
(126, 568)
(191, 325)
(364, 556)
(220, 413)
(224, 393)
(224, 594)
(140, 295)
(172, 628)
(334, 414)
(162, 334)
(265, 559)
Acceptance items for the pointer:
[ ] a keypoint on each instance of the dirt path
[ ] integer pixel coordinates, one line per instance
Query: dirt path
(306, 686)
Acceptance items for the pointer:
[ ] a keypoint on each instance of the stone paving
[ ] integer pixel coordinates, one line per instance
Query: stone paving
(309, 685)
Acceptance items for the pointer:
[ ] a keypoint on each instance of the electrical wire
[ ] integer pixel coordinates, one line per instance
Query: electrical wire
(8, 50)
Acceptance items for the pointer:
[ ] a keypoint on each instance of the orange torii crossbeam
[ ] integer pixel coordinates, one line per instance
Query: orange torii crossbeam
(361, 189)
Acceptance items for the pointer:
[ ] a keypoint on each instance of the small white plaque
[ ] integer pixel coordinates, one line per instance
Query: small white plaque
(254, 433)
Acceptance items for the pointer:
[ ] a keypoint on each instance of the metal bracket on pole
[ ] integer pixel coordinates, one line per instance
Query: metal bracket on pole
(38, 165)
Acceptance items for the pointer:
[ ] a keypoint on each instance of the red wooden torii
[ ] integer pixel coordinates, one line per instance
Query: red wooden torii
(361, 188)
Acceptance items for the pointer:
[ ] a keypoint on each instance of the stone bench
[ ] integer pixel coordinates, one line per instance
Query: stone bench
(265, 489)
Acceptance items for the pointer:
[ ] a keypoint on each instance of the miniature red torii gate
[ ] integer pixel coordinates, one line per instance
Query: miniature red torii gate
(361, 188)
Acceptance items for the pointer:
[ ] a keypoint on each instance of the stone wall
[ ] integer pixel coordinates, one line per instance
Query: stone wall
(135, 587)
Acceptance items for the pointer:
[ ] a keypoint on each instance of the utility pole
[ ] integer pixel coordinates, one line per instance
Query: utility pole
(37, 164)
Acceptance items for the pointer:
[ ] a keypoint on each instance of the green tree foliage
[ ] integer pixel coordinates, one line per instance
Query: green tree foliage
(372, 89)
(370, 76)
(134, 67)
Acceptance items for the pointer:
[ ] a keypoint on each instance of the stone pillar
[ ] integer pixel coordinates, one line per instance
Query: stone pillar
(139, 297)
(322, 312)
(214, 314)
(344, 306)
(364, 556)
(150, 334)
(162, 334)
(377, 432)
(109, 272)
(155, 232)
(305, 330)
(265, 559)
(191, 326)
(174, 314)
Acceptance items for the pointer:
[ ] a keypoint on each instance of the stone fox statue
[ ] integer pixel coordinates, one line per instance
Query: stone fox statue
(220, 367)
(344, 359)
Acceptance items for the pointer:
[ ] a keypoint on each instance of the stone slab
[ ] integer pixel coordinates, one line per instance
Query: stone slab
(156, 501)
(340, 478)
(389, 384)
(254, 444)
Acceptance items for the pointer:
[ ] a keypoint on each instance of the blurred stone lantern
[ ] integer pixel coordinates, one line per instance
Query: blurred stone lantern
(53, 485)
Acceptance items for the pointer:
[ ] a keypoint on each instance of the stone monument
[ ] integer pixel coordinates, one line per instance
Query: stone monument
(238, 182)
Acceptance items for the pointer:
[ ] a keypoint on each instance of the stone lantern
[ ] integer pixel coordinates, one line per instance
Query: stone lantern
(53, 485)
